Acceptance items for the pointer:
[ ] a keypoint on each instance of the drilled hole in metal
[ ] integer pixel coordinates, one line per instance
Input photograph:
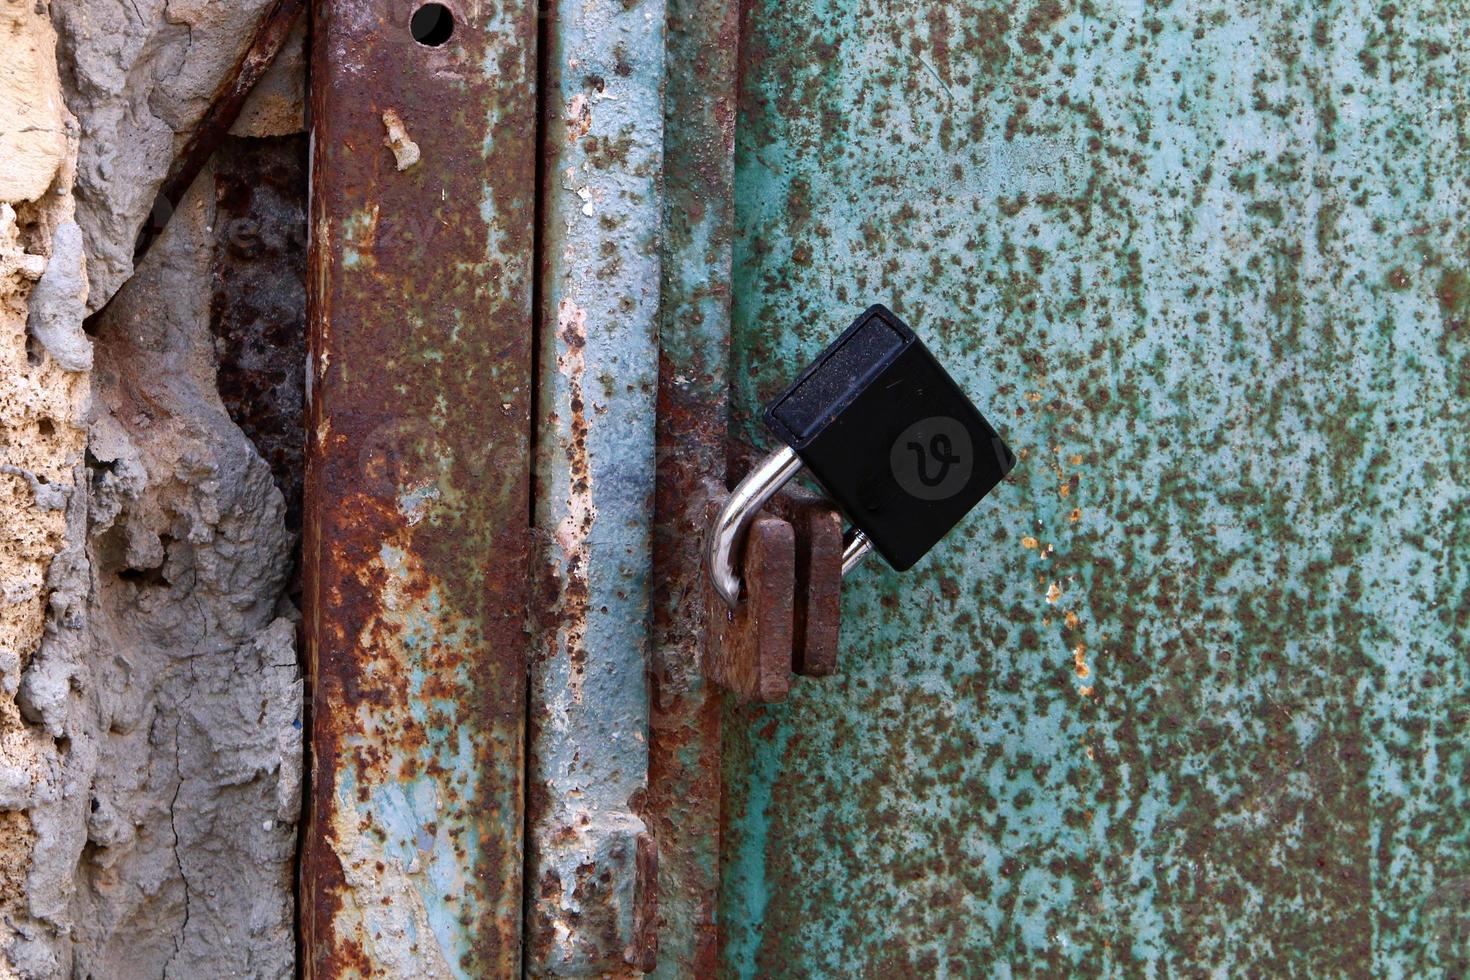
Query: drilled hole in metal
(432, 24)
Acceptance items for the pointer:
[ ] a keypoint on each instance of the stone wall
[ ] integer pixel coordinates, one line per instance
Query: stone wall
(150, 697)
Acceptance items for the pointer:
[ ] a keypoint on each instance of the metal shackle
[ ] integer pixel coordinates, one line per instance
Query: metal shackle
(726, 540)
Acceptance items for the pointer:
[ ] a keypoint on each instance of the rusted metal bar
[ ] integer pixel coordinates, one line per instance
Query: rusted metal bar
(589, 910)
(417, 538)
(787, 618)
(224, 108)
(275, 25)
(683, 807)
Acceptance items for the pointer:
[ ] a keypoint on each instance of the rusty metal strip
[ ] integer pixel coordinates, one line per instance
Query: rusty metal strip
(603, 153)
(694, 348)
(417, 544)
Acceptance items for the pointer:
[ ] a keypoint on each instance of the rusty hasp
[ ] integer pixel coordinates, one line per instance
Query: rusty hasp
(818, 608)
(417, 540)
(748, 649)
(787, 618)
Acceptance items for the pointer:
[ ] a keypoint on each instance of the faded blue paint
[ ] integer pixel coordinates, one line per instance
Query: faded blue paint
(414, 843)
(1186, 692)
(602, 150)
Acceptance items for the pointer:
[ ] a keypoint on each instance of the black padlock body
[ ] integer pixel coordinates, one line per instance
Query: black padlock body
(890, 436)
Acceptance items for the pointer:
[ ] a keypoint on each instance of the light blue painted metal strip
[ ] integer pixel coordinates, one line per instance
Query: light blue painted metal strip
(602, 154)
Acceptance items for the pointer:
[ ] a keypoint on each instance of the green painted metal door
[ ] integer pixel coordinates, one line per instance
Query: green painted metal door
(1187, 692)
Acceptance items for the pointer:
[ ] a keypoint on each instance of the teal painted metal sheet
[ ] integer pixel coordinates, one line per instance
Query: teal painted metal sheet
(1187, 692)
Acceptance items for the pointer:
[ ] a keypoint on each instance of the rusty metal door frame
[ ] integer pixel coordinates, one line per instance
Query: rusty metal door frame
(433, 609)
(417, 545)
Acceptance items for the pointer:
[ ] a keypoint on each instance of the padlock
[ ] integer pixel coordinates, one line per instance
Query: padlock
(890, 437)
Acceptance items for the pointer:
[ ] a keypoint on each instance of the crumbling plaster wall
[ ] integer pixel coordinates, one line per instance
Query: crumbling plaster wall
(139, 74)
(150, 698)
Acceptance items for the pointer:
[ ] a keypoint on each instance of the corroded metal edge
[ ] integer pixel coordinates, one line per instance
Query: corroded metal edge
(587, 911)
(683, 807)
(416, 537)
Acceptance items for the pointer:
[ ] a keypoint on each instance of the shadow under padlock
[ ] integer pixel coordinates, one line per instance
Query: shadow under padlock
(903, 455)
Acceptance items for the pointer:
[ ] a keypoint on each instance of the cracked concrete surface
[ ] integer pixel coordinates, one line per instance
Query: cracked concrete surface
(139, 75)
(150, 698)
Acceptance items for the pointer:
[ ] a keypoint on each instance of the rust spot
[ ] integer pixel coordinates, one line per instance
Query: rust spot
(1453, 294)
(578, 117)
